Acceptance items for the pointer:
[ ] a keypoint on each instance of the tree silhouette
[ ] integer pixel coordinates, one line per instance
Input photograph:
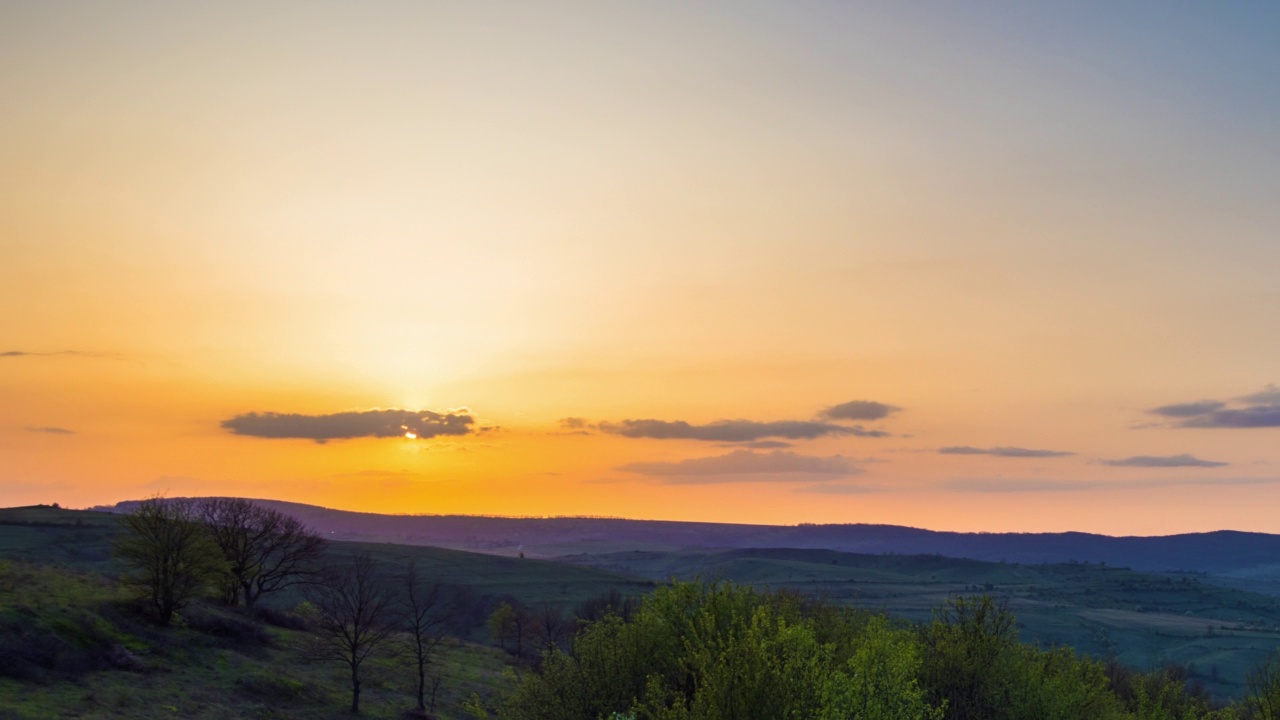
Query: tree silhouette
(170, 557)
(354, 612)
(426, 615)
(265, 549)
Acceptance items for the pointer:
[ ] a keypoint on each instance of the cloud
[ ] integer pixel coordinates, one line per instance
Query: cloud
(842, 489)
(1009, 452)
(1269, 396)
(1021, 485)
(767, 444)
(55, 353)
(745, 466)
(1005, 485)
(859, 410)
(1191, 409)
(1261, 410)
(337, 426)
(1150, 461)
(51, 430)
(733, 430)
(1255, 416)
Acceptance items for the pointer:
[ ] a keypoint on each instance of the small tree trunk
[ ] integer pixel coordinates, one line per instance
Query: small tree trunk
(355, 691)
(422, 687)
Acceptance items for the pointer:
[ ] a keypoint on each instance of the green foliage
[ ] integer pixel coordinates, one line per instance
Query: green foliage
(171, 559)
(1163, 694)
(1262, 701)
(975, 667)
(724, 652)
(882, 683)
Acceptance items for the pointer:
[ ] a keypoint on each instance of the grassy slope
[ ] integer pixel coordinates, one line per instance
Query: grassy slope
(185, 672)
(1143, 619)
(57, 583)
(84, 540)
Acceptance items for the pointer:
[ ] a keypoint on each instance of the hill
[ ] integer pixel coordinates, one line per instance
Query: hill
(1239, 559)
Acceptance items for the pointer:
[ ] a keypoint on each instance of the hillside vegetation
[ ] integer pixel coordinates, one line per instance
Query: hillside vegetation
(787, 632)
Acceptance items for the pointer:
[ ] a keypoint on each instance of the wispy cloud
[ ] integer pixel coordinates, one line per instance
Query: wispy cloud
(1164, 461)
(1267, 396)
(1014, 485)
(1008, 452)
(1028, 485)
(733, 430)
(344, 425)
(54, 353)
(842, 488)
(746, 466)
(50, 430)
(859, 410)
(1191, 409)
(1259, 410)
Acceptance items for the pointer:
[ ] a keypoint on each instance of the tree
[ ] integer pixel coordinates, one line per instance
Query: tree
(171, 559)
(724, 653)
(425, 617)
(552, 626)
(511, 621)
(974, 665)
(1262, 695)
(353, 609)
(265, 549)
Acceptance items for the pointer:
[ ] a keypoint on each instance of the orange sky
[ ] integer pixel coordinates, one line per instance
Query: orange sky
(1026, 242)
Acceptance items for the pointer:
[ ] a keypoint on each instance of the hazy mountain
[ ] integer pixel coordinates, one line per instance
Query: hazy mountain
(1239, 554)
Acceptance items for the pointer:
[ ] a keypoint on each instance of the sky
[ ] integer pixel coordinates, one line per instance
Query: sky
(968, 266)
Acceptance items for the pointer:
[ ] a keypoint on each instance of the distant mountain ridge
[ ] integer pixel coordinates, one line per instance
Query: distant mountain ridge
(1223, 552)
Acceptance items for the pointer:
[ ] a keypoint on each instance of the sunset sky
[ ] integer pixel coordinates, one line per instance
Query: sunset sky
(974, 266)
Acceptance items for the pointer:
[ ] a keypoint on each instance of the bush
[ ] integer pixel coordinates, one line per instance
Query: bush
(281, 618)
(238, 630)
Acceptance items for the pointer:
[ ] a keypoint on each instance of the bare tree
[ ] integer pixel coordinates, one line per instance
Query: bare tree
(426, 615)
(265, 549)
(354, 615)
(170, 556)
(552, 626)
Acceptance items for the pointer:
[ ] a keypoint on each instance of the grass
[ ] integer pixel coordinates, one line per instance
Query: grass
(196, 669)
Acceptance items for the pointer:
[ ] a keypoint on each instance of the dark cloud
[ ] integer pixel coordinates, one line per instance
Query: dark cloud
(51, 430)
(744, 465)
(733, 430)
(1163, 461)
(1009, 452)
(337, 426)
(767, 445)
(1191, 409)
(859, 410)
(1255, 416)
(1262, 410)
(1268, 396)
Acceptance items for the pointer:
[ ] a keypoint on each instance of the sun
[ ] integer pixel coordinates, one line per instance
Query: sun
(411, 435)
